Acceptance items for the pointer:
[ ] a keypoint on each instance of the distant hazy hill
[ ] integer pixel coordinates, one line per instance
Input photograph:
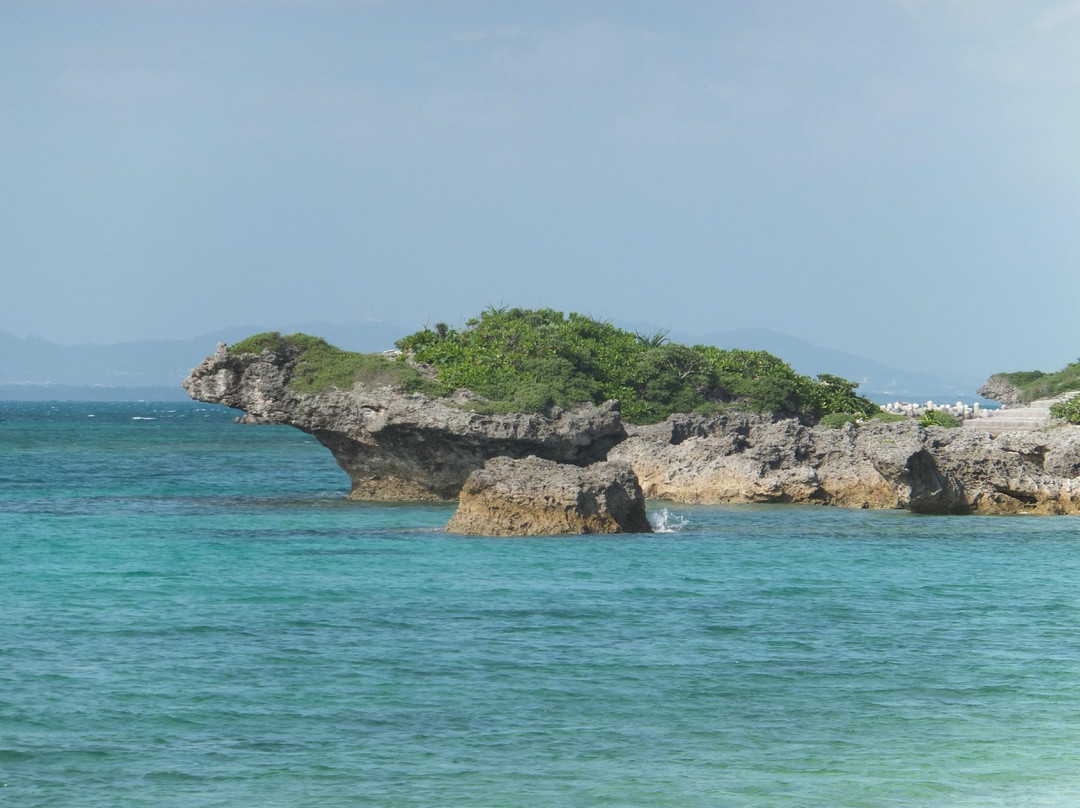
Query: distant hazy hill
(35, 368)
(89, 392)
(153, 369)
(876, 379)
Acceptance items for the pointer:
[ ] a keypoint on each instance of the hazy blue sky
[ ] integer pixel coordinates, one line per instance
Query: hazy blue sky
(899, 178)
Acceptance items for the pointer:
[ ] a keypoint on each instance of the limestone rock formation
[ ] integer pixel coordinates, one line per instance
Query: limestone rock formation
(398, 446)
(535, 497)
(1000, 389)
(747, 458)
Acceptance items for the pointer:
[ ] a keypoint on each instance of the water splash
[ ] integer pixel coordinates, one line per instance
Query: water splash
(664, 521)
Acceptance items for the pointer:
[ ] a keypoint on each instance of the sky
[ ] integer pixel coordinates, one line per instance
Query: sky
(894, 178)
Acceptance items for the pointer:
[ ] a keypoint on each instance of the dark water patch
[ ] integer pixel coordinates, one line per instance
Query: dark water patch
(174, 776)
(14, 755)
(349, 551)
(282, 534)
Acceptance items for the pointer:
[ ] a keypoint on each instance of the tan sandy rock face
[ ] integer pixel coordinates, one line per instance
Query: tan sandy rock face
(736, 458)
(397, 446)
(535, 497)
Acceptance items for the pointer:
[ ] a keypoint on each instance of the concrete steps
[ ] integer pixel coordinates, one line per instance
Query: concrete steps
(1014, 419)
(1021, 419)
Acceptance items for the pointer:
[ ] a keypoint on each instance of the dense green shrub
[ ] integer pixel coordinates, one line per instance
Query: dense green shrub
(939, 418)
(1068, 409)
(535, 359)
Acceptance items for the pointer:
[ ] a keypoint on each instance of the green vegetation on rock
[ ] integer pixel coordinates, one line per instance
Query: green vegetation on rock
(1034, 384)
(520, 360)
(529, 360)
(1068, 410)
(888, 417)
(267, 341)
(835, 420)
(321, 366)
(939, 418)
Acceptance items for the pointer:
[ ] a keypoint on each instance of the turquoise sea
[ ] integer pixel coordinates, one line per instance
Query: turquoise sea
(193, 615)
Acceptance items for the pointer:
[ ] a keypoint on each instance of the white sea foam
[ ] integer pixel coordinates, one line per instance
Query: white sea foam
(142, 418)
(664, 521)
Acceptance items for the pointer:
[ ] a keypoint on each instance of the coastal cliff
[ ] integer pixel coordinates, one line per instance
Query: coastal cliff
(407, 446)
(1000, 389)
(398, 446)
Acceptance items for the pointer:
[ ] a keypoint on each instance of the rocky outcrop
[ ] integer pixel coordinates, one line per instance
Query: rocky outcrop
(397, 446)
(534, 497)
(1000, 389)
(745, 458)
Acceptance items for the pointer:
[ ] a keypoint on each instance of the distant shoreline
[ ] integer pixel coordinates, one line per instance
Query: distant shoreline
(75, 392)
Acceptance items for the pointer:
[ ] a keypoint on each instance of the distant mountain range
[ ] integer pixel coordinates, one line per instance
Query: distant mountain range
(877, 380)
(35, 369)
(32, 368)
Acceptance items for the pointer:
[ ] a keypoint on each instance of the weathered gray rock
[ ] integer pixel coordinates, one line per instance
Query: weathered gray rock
(397, 446)
(250, 420)
(535, 497)
(1000, 389)
(746, 458)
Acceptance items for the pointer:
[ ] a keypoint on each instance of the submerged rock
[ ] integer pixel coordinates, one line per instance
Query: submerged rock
(249, 420)
(393, 445)
(535, 497)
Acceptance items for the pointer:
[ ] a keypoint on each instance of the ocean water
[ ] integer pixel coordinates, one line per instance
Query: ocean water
(193, 615)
